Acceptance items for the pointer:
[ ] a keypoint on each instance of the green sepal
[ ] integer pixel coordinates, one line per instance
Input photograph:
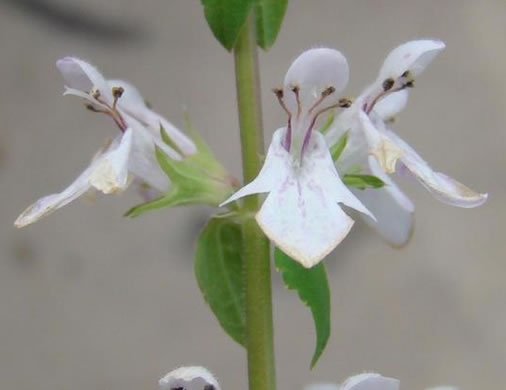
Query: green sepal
(362, 182)
(190, 184)
(226, 18)
(269, 17)
(312, 286)
(219, 273)
(328, 122)
(337, 149)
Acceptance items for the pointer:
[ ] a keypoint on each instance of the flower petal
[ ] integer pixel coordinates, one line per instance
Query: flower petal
(388, 107)
(393, 210)
(303, 220)
(301, 213)
(370, 381)
(50, 203)
(386, 151)
(80, 75)
(412, 56)
(323, 172)
(143, 162)
(442, 187)
(110, 172)
(189, 378)
(133, 104)
(275, 169)
(314, 71)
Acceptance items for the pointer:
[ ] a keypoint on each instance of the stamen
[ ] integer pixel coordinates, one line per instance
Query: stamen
(117, 92)
(94, 109)
(326, 92)
(388, 84)
(95, 92)
(279, 94)
(410, 84)
(345, 102)
(295, 90)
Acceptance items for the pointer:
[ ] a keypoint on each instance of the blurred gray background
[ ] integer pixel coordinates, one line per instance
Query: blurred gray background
(90, 300)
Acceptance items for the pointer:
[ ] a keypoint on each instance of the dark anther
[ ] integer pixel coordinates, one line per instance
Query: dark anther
(410, 84)
(117, 92)
(328, 91)
(406, 74)
(177, 388)
(388, 84)
(295, 89)
(278, 92)
(345, 102)
(95, 93)
(208, 387)
(91, 108)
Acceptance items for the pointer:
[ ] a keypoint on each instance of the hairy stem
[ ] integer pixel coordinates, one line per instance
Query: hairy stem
(259, 329)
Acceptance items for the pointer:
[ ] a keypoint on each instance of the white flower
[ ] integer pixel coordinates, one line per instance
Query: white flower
(373, 145)
(301, 212)
(130, 155)
(189, 378)
(366, 381)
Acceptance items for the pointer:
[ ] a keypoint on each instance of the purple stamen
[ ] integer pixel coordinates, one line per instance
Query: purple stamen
(287, 141)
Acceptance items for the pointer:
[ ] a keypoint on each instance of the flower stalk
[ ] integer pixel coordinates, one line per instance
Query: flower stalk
(259, 327)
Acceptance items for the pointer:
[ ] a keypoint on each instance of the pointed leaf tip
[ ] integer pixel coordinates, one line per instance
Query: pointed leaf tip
(226, 18)
(269, 17)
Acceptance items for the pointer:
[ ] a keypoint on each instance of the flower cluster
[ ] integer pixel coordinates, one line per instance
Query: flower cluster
(199, 378)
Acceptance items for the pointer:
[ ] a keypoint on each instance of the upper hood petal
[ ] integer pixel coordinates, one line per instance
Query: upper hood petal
(80, 75)
(189, 378)
(370, 381)
(412, 56)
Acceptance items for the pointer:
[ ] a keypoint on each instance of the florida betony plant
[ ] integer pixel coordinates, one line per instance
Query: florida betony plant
(332, 157)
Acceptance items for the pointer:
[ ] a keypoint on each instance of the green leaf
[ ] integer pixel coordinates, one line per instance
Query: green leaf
(312, 286)
(337, 149)
(219, 273)
(363, 181)
(226, 18)
(269, 16)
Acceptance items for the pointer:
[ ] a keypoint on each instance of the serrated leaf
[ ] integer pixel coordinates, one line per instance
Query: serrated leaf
(219, 273)
(337, 149)
(226, 18)
(313, 289)
(362, 181)
(269, 17)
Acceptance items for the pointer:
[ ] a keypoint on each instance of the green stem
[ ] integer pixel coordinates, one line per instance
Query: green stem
(259, 329)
